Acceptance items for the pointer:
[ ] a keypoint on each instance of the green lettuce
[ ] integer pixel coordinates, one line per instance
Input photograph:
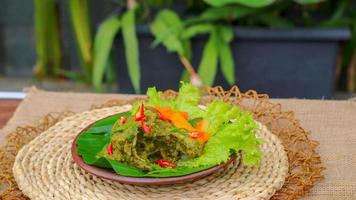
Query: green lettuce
(231, 130)
(187, 100)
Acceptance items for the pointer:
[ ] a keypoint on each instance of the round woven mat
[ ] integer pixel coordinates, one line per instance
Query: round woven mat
(44, 169)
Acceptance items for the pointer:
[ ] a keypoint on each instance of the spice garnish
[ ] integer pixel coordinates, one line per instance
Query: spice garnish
(165, 163)
(122, 120)
(180, 120)
(140, 114)
(109, 149)
(145, 127)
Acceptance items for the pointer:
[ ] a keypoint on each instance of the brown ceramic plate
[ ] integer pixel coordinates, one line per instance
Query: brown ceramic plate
(111, 175)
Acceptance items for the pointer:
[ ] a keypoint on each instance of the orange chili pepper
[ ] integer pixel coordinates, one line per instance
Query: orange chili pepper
(166, 113)
(184, 115)
(201, 125)
(201, 136)
(180, 122)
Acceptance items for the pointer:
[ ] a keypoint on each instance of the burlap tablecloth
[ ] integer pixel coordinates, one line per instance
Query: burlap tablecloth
(332, 123)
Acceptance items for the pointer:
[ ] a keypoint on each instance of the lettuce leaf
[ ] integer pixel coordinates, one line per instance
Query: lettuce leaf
(218, 113)
(187, 100)
(231, 130)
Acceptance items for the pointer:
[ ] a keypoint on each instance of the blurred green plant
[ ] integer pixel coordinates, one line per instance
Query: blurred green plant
(218, 18)
(79, 12)
(214, 18)
(103, 44)
(48, 47)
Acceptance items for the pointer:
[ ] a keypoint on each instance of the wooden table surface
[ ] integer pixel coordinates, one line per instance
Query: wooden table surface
(7, 108)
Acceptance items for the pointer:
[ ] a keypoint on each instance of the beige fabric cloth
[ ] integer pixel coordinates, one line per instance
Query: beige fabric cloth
(332, 123)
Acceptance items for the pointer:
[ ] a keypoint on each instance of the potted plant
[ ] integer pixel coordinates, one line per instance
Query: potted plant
(284, 48)
(284, 56)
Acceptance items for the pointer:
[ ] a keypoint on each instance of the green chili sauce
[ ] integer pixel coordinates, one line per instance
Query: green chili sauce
(134, 147)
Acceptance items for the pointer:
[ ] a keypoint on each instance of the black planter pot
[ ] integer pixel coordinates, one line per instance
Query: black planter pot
(282, 63)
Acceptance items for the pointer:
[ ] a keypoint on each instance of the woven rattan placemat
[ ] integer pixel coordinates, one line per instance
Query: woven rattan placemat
(44, 169)
(305, 166)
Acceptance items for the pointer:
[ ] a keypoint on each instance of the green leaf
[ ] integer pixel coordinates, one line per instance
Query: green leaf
(90, 144)
(187, 49)
(166, 28)
(340, 10)
(274, 21)
(188, 94)
(187, 100)
(79, 12)
(227, 62)
(219, 113)
(226, 33)
(196, 29)
(338, 18)
(76, 76)
(48, 44)
(303, 2)
(54, 40)
(110, 72)
(102, 48)
(231, 130)
(226, 59)
(208, 64)
(155, 98)
(185, 76)
(250, 3)
(227, 12)
(41, 34)
(178, 171)
(131, 48)
(100, 129)
(125, 170)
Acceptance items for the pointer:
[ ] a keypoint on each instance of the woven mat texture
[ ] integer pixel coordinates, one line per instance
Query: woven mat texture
(331, 122)
(44, 169)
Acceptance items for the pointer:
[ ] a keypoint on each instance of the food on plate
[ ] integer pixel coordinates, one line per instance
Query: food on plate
(171, 136)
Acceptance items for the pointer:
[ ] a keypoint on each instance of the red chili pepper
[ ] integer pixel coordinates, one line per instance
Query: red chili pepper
(109, 149)
(165, 163)
(146, 128)
(122, 120)
(140, 114)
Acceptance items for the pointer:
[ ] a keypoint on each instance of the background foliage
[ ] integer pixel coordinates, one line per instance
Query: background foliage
(174, 24)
